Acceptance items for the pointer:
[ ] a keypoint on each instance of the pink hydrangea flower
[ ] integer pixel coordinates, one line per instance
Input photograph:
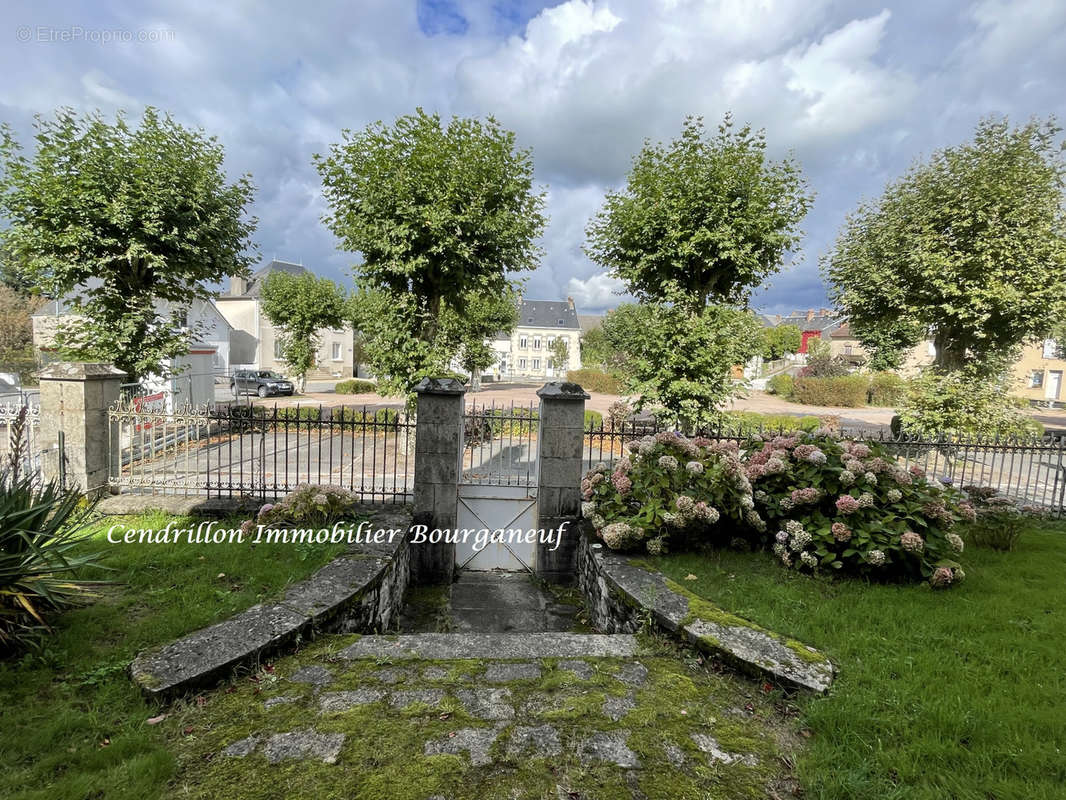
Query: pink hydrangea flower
(912, 542)
(941, 577)
(621, 482)
(841, 532)
(846, 504)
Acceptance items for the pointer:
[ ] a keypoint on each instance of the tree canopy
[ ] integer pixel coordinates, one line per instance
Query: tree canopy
(780, 340)
(130, 223)
(682, 359)
(969, 247)
(438, 212)
(299, 306)
(702, 220)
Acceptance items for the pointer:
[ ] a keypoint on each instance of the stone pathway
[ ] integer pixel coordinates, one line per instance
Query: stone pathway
(485, 715)
(505, 601)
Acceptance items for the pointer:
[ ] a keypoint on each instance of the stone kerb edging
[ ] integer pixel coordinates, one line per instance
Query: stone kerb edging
(360, 591)
(622, 594)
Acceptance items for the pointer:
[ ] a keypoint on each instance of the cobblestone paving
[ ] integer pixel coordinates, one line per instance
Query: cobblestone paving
(655, 725)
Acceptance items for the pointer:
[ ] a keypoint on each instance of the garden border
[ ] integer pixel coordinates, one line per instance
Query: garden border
(360, 591)
(622, 594)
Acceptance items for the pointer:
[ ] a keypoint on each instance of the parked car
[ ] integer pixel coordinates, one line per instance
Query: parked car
(262, 382)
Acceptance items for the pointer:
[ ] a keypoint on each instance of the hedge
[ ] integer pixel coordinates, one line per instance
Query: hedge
(355, 386)
(744, 423)
(780, 385)
(848, 391)
(886, 389)
(595, 380)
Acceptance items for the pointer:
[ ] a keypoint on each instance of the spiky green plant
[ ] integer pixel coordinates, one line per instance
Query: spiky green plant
(42, 530)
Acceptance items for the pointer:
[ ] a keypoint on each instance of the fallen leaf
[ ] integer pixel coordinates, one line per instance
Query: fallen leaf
(201, 701)
(221, 575)
(157, 720)
(105, 742)
(445, 716)
(766, 687)
(806, 733)
(684, 712)
(691, 577)
(187, 731)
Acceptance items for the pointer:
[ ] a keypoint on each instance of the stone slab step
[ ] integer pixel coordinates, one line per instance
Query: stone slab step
(493, 645)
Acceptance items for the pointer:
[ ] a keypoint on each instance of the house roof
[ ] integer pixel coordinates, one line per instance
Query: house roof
(259, 277)
(843, 332)
(548, 314)
(824, 320)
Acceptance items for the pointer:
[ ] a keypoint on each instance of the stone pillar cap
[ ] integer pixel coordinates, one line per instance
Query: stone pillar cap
(439, 386)
(562, 390)
(80, 371)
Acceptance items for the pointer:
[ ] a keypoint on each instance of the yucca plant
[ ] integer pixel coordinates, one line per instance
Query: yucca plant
(42, 527)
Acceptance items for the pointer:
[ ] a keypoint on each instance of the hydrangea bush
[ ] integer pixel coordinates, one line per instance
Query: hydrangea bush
(850, 506)
(306, 505)
(669, 488)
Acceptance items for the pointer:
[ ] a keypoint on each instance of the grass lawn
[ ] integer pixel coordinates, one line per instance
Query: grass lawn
(72, 724)
(948, 694)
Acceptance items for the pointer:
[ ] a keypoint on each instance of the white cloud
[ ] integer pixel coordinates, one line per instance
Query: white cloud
(596, 293)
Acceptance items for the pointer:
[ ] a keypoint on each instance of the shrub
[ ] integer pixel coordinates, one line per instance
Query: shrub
(669, 489)
(382, 416)
(41, 533)
(780, 384)
(849, 506)
(593, 419)
(848, 391)
(820, 364)
(962, 403)
(1000, 519)
(355, 386)
(307, 504)
(886, 389)
(745, 423)
(300, 414)
(595, 380)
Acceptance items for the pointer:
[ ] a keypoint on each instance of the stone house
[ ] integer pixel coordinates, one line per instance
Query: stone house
(255, 343)
(527, 351)
(844, 345)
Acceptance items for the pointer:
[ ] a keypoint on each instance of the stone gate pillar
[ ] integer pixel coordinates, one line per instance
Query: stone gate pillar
(560, 444)
(438, 453)
(75, 398)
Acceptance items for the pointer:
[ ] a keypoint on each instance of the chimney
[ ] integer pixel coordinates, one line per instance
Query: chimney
(570, 302)
(810, 314)
(237, 285)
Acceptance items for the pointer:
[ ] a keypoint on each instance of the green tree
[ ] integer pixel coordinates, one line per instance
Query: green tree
(700, 223)
(16, 334)
(969, 246)
(131, 222)
(702, 220)
(683, 359)
(559, 354)
(596, 351)
(299, 306)
(438, 213)
(780, 340)
(470, 332)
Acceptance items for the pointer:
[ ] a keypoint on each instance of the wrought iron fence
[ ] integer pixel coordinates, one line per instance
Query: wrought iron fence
(20, 451)
(1032, 470)
(245, 450)
(500, 444)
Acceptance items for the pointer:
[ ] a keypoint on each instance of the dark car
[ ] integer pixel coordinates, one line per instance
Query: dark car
(262, 382)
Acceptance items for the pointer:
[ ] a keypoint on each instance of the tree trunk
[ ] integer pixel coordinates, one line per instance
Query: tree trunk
(950, 355)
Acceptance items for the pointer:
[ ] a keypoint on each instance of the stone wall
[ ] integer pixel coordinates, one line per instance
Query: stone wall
(360, 591)
(623, 596)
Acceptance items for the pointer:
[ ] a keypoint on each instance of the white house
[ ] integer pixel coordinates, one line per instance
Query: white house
(255, 343)
(527, 351)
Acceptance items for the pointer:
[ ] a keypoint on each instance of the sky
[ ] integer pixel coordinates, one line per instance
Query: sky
(855, 90)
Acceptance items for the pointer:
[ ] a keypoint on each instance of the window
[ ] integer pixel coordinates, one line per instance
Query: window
(523, 342)
(551, 341)
(521, 363)
(536, 343)
(1051, 348)
(336, 351)
(1036, 379)
(536, 363)
(277, 349)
